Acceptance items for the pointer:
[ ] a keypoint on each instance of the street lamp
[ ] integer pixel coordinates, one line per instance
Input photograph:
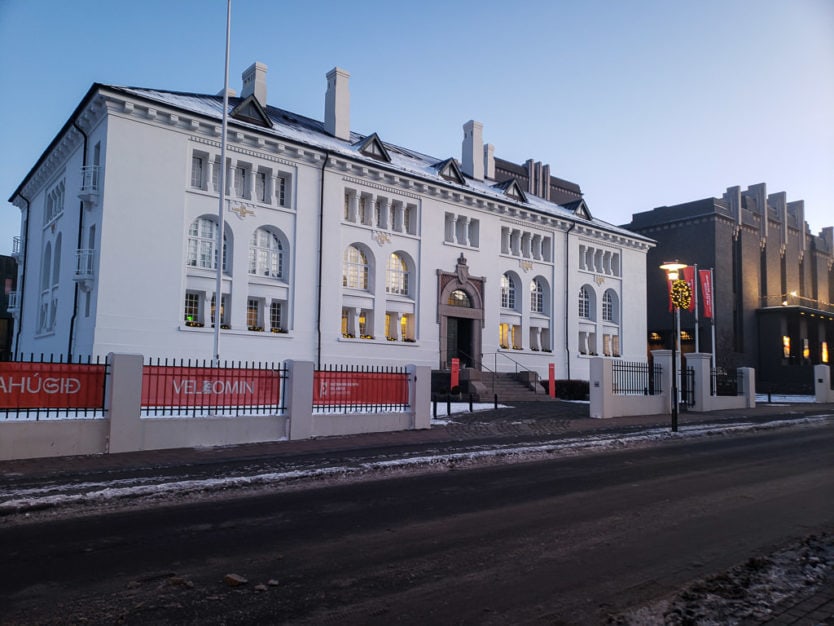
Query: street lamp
(680, 295)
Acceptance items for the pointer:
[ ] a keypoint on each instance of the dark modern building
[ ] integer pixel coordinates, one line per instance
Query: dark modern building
(8, 274)
(774, 282)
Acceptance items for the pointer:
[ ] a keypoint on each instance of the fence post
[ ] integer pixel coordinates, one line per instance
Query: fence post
(701, 364)
(663, 358)
(299, 390)
(123, 402)
(749, 382)
(822, 384)
(601, 387)
(419, 395)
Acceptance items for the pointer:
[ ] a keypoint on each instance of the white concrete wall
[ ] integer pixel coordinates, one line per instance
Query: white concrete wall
(123, 430)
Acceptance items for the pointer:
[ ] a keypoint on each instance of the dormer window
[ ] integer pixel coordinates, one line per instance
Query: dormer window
(372, 146)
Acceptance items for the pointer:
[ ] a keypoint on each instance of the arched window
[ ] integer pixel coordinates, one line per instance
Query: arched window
(396, 277)
(584, 303)
(202, 245)
(355, 269)
(507, 292)
(460, 298)
(46, 268)
(56, 262)
(609, 306)
(536, 296)
(266, 254)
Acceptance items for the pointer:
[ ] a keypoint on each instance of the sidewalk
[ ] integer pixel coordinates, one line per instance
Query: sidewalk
(523, 422)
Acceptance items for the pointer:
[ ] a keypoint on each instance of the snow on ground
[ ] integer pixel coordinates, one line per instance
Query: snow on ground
(56, 495)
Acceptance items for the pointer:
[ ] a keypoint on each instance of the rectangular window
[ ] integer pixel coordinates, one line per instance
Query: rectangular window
(239, 181)
(260, 187)
(192, 310)
(224, 310)
(215, 175)
(276, 317)
(197, 163)
(253, 314)
(410, 219)
(347, 206)
(281, 190)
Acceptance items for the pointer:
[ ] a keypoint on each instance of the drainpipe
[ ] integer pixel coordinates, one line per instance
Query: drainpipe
(321, 241)
(22, 289)
(78, 244)
(567, 301)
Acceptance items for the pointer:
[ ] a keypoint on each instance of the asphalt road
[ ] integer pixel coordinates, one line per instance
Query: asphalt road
(568, 540)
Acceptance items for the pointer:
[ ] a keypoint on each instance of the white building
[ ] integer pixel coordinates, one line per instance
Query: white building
(339, 247)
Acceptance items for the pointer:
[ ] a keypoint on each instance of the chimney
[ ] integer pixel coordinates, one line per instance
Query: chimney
(337, 104)
(254, 82)
(489, 161)
(472, 161)
(232, 93)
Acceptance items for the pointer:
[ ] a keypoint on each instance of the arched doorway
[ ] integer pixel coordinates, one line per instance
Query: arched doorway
(460, 312)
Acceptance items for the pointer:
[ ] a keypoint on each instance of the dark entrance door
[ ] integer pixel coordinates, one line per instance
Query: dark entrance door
(459, 340)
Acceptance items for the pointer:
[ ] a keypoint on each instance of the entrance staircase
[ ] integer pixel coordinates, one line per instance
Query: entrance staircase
(510, 389)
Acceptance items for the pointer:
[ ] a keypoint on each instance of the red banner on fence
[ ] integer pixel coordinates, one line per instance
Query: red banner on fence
(706, 291)
(170, 385)
(359, 388)
(51, 385)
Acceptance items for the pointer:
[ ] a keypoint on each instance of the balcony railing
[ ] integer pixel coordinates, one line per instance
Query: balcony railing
(90, 178)
(84, 264)
(793, 299)
(17, 248)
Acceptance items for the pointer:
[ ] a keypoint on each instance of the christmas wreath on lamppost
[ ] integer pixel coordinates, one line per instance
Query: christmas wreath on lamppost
(681, 294)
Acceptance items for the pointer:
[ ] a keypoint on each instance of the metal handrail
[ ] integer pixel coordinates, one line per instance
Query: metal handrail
(517, 365)
(481, 365)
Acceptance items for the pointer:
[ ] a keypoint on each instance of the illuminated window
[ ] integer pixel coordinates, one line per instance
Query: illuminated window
(396, 278)
(806, 349)
(459, 298)
(355, 269)
(786, 347)
(202, 245)
(507, 292)
(266, 254)
(824, 352)
(536, 296)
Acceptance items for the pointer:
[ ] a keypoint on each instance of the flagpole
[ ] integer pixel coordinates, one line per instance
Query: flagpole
(697, 328)
(218, 289)
(712, 319)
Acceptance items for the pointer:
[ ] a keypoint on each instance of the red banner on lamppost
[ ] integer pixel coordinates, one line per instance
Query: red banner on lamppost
(706, 291)
(551, 379)
(455, 374)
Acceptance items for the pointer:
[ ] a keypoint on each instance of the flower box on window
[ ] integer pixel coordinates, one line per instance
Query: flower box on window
(348, 336)
(366, 336)
(278, 330)
(391, 338)
(256, 329)
(504, 346)
(193, 324)
(409, 340)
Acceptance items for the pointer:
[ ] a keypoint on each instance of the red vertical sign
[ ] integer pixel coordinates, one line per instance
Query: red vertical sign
(706, 291)
(551, 379)
(689, 277)
(455, 373)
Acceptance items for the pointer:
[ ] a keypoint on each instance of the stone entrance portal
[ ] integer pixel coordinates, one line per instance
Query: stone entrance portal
(460, 313)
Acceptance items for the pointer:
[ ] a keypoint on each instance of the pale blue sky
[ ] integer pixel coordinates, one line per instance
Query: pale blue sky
(642, 103)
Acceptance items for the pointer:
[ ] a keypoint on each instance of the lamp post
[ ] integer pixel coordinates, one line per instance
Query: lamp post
(679, 296)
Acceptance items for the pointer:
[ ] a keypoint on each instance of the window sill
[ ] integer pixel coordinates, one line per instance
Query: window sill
(379, 341)
(234, 331)
(232, 199)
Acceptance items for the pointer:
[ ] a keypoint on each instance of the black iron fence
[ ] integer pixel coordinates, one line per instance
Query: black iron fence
(360, 389)
(191, 388)
(726, 383)
(52, 387)
(688, 386)
(634, 378)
